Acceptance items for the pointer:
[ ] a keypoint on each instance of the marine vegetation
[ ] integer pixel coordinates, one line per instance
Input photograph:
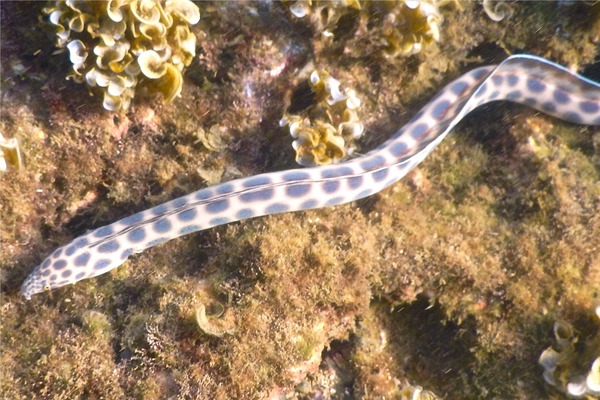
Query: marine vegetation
(497, 11)
(565, 363)
(325, 131)
(410, 26)
(323, 14)
(402, 27)
(444, 280)
(119, 47)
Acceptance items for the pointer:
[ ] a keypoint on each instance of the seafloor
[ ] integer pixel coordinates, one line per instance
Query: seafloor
(451, 279)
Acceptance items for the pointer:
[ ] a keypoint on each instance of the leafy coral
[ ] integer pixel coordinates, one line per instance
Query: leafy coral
(401, 27)
(325, 131)
(566, 362)
(119, 45)
(324, 14)
(410, 26)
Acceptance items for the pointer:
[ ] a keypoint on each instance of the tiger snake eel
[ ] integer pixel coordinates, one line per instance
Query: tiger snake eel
(524, 79)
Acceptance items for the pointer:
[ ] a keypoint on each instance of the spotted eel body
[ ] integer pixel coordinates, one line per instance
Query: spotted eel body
(528, 80)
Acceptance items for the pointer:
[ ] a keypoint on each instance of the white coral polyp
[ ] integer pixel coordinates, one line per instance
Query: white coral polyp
(55, 17)
(434, 28)
(145, 11)
(576, 389)
(299, 9)
(111, 103)
(351, 130)
(593, 378)
(151, 64)
(117, 86)
(352, 101)
(77, 54)
(113, 9)
(336, 95)
(185, 9)
(95, 77)
(108, 54)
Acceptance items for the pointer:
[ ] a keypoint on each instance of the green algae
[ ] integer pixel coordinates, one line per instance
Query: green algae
(450, 279)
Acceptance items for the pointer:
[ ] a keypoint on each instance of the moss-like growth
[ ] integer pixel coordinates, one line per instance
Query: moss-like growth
(97, 324)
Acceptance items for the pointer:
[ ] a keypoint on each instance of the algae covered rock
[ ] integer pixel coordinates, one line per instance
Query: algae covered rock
(119, 47)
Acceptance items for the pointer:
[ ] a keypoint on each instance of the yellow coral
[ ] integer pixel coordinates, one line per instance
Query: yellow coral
(411, 26)
(326, 135)
(324, 14)
(563, 365)
(403, 26)
(117, 46)
(316, 143)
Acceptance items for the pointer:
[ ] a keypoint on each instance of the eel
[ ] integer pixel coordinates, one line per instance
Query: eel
(523, 79)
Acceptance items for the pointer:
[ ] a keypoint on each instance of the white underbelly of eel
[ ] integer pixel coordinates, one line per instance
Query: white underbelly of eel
(527, 80)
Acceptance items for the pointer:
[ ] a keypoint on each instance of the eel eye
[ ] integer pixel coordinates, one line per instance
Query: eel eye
(46, 287)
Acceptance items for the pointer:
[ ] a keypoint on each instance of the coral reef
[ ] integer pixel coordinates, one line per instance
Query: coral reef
(445, 280)
(565, 364)
(325, 133)
(120, 46)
